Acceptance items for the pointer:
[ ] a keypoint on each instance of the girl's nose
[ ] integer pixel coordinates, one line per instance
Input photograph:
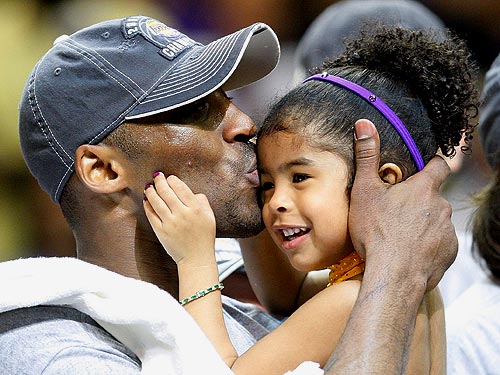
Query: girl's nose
(280, 201)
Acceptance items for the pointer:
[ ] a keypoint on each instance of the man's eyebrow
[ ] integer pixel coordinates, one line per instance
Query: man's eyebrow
(302, 161)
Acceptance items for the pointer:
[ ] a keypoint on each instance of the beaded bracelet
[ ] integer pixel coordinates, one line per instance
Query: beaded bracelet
(202, 293)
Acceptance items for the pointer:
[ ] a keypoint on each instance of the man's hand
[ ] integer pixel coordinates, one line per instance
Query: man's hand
(405, 233)
(405, 228)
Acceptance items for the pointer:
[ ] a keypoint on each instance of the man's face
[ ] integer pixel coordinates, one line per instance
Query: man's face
(207, 145)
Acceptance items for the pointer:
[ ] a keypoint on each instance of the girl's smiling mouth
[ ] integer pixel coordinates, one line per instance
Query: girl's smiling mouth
(291, 233)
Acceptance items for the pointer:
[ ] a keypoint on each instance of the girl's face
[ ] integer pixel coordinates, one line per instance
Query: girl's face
(305, 206)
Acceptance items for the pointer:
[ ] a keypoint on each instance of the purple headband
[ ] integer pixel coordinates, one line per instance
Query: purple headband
(382, 108)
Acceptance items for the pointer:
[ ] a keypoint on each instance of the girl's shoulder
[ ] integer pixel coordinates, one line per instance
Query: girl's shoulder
(428, 349)
(340, 297)
(433, 301)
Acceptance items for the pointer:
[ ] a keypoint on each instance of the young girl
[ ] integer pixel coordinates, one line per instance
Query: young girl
(419, 92)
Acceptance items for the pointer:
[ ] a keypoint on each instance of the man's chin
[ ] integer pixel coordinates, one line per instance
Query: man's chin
(251, 233)
(242, 228)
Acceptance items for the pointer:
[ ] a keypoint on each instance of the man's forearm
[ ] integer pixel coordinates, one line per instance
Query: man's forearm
(378, 335)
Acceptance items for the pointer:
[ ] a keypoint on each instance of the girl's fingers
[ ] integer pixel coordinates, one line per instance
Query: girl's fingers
(166, 193)
(156, 202)
(153, 218)
(169, 195)
(182, 191)
(202, 201)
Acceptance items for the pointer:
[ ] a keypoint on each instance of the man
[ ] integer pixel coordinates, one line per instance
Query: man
(106, 108)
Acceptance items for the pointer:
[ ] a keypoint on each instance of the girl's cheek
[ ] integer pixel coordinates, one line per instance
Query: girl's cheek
(265, 215)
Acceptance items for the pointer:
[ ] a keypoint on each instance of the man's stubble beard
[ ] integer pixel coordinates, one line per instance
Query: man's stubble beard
(239, 219)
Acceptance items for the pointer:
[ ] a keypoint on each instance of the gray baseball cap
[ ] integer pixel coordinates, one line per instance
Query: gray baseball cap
(90, 82)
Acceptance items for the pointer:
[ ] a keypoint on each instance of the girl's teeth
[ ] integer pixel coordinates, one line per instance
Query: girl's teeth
(291, 231)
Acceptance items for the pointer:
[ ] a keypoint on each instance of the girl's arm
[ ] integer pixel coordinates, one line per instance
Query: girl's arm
(185, 225)
(311, 333)
(435, 306)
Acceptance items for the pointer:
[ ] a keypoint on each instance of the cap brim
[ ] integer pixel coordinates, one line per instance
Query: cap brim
(230, 62)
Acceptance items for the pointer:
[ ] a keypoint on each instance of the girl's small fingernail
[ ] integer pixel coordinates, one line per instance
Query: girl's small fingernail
(156, 174)
(148, 185)
(145, 199)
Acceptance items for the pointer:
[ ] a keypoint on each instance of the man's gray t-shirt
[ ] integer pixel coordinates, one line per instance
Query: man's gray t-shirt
(61, 340)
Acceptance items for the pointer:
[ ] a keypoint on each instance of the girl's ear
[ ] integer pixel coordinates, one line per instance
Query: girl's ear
(100, 168)
(390, 173)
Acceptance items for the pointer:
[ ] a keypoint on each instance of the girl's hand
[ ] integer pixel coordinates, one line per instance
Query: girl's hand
(183, 221)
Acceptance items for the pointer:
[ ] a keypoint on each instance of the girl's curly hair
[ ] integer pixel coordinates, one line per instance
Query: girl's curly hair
(426, 77)
(437, 71)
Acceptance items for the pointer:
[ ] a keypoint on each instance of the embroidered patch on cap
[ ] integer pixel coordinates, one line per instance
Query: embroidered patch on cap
(171, 41)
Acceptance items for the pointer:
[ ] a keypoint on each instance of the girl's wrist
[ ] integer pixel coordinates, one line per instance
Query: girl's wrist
(197, 261)
(193, 279)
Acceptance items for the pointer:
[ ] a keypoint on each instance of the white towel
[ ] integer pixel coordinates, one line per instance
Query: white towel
(145, 318)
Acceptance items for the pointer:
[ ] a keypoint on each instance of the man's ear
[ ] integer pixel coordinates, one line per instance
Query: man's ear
(101, 168)
(390, 173)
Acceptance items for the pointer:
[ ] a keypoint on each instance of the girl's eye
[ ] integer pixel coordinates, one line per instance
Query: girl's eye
(266, 186)
(264, 192)
(299, 177)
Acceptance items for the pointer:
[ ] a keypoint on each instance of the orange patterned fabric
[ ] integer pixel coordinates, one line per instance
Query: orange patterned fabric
(346, 269)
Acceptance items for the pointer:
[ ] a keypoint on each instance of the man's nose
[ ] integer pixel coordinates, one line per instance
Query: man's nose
(238, 126)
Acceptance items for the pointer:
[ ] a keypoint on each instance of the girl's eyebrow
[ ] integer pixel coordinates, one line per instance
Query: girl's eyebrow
(297, 162)
(302, 161)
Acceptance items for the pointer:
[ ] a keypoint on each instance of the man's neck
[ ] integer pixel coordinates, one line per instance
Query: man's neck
(136, 254)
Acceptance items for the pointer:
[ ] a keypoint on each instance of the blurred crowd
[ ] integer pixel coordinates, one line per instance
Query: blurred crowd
(30, 224)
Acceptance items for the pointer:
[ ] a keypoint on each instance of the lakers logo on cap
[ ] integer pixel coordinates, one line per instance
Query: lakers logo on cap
(160, 29)
(171, 41)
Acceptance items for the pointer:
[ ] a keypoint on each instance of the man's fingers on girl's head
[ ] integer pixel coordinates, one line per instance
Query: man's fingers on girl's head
(180, 188)
(437, 170)
(364, 128)
(367, 150)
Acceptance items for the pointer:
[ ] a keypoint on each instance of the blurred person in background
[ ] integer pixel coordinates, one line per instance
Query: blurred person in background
(472, 324)
(326, 35)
